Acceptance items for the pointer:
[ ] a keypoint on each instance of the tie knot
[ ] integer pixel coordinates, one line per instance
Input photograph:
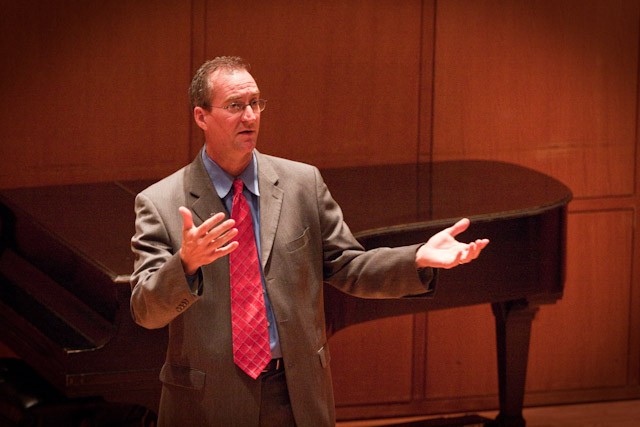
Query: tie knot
(238, 185)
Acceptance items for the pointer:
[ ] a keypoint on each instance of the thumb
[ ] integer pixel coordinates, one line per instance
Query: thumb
(187, 218)
(459, 227)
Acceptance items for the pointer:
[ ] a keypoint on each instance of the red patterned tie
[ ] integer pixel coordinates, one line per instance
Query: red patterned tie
(251, 351)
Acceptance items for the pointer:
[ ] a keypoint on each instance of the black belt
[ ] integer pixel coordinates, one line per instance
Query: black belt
(274, 366)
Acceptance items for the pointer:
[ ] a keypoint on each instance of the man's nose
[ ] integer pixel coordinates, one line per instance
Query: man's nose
(248, 114)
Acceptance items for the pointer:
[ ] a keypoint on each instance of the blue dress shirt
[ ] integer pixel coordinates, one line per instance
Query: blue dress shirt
(223, 183)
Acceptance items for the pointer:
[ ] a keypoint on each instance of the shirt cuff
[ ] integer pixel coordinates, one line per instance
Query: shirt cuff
(195, 282)
(428, 276)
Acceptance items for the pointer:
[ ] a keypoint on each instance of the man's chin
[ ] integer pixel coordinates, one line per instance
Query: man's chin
(246, 144)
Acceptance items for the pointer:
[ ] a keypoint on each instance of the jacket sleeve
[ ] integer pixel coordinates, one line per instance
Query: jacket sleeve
(377, 273)
(160, 291)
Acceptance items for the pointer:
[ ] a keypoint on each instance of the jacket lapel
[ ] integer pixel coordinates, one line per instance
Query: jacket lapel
(203, 200)
(271, 197)
(200, 194)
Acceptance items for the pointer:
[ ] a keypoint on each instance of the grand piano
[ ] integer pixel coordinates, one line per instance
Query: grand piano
(65, 265)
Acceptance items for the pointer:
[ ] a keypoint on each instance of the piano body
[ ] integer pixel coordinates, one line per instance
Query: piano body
(65, 263)
(64, 295)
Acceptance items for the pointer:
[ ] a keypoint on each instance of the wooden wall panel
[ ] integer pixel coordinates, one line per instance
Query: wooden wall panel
(93, 91)
(548, 84)
(461, 355)
(552, 86)
(342, 78)
(373, 362)
(582, 342)
(97, 91)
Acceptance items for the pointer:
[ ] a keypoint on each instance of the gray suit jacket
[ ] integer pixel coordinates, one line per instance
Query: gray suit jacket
(305, 243)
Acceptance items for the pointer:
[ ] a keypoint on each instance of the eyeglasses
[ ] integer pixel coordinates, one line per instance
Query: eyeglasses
(237, 107)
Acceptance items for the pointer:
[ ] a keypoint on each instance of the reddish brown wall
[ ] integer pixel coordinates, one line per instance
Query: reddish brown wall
(97, 91)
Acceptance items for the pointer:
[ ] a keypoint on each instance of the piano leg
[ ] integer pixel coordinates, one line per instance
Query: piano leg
(513, 330)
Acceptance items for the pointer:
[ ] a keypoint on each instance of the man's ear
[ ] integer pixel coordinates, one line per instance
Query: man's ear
(198, 116)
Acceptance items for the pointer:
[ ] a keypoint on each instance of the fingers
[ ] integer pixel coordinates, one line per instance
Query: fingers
(214, 232)
(219, 252)
(465, 253)
(472, 251)
(209, 226)
(204, 228)
(442, 250)
(220, 236)
(207, 242)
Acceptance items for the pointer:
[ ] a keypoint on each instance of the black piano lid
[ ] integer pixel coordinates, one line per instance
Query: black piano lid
(379, 199)
(521, 211)
(97, 220)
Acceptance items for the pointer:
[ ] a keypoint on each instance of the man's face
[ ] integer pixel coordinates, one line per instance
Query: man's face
(228, 135)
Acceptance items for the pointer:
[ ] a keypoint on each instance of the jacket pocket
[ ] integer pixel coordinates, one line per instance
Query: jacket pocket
(182, 376)
(325, 356)
(299, 242)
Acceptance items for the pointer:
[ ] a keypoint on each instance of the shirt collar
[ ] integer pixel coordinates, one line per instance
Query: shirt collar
(223, 182)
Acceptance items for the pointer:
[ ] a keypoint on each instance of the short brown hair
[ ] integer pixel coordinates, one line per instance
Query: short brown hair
(200, 91)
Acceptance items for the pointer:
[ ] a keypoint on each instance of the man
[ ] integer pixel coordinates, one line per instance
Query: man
(186, 274)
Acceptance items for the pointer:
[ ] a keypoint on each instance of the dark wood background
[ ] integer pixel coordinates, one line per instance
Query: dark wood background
(96, 91)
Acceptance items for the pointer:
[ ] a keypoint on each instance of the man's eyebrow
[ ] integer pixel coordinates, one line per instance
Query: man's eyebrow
(233, 98)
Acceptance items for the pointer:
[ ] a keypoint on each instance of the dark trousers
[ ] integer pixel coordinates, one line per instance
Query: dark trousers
(275, 406)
